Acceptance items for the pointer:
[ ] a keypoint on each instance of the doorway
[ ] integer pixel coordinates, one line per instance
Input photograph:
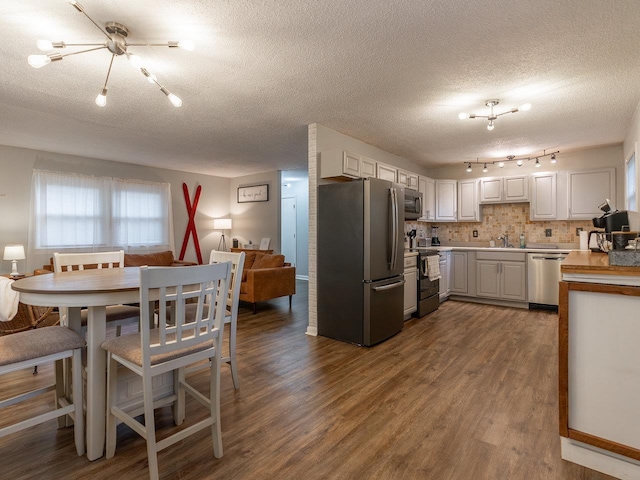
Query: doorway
(288, 207)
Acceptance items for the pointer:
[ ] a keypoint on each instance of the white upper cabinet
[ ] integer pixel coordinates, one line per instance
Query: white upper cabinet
(408, 179)
(544, 199)
(387, 172)
(339, 164)
(446, 200)
(587, 189)
(468, 205)
(427, 187)
(504, 189)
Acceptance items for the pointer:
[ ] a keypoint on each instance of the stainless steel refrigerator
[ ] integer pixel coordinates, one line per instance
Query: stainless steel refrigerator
(360, 257)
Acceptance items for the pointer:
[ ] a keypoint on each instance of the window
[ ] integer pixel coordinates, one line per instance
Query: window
(631, 189)
(98, 213)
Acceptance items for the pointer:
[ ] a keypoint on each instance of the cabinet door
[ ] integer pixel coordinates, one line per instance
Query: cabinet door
(587, 190)
(488, 278)
(428, 188)
(513, 281)
(410, 291)
(446, 200)
(516, 189)
(491, 190)
(351, 164)
(412, 181)
(544, 203)
(459, 283)
(445, 288)
(367, 167)
(468, 207)
(403, 177)
(387, 172)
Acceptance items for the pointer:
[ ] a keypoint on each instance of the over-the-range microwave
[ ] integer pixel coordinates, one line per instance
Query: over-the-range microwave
(412, 204)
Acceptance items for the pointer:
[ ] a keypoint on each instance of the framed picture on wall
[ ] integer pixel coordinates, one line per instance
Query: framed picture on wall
(253, 193)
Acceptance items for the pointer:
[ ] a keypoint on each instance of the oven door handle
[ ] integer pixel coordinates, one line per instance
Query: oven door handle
(389, 287)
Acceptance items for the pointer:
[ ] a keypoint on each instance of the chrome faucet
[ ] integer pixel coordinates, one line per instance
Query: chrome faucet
(505, 240)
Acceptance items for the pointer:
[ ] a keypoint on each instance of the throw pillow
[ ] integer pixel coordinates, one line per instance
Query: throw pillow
(268, 261)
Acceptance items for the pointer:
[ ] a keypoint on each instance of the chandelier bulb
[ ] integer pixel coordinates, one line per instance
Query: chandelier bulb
(491, 126)
(177, 102)
(187, 45)
(101, 99)
(463, 116)
(525, 107)
(44, 45)
(501, 164)
(38, 61)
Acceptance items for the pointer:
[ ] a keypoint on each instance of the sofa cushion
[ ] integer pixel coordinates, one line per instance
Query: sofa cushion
(249, 258)
(268, 261)
(157, 259)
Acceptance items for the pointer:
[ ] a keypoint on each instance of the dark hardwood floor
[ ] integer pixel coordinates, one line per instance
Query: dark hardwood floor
(469, 392)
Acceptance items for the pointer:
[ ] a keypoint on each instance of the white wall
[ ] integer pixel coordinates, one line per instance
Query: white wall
(630, 146)
(300, 190)
(256, 220)
(17, 164)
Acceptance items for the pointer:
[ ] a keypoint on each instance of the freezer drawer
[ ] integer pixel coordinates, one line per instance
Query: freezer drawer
(383, 307)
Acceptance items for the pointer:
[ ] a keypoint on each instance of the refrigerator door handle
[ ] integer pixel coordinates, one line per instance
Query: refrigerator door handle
(394, 229)
(389, 287)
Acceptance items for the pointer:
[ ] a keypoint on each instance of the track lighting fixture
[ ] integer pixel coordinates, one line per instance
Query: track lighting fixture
(117, 44)
(492, 115)
(511, 158)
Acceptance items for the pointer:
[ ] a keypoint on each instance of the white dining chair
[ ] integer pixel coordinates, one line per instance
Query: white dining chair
(170, 347)
(231, 316)
(116, 315)
(33, 347)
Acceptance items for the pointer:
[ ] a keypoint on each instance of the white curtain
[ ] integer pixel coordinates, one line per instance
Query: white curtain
(88, 214)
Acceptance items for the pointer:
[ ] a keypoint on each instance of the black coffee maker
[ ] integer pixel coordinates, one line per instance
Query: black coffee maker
(612, 221)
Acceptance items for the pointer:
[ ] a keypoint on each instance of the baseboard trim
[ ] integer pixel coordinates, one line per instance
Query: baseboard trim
(599, 460)
(312, 330)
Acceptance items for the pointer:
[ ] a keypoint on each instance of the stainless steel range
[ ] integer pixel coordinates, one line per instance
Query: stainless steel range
(428, 298)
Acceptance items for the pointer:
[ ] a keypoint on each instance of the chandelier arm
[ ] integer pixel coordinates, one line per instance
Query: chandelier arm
(106, 80)
(150, 45)
(80, 8)
(148, 75)
(80, 45)
(83, 51)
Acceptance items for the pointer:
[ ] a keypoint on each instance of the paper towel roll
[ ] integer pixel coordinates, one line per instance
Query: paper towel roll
(584, 240)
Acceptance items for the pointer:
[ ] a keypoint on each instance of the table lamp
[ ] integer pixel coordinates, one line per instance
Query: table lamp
(14, 253)
(222, 224)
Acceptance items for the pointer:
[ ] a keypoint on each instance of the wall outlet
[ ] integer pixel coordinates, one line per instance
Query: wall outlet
(475, 233)
(578, 230)
(547, 232)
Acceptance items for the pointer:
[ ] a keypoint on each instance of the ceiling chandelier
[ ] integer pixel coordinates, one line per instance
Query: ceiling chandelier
(512, 158)
(492, 115)
(117, 44)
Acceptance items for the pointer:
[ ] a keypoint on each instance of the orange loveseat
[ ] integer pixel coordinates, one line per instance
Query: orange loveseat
(265, 277)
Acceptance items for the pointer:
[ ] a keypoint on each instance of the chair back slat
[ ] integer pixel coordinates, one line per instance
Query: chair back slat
(65, 262)
(176, 285)
(237, 265)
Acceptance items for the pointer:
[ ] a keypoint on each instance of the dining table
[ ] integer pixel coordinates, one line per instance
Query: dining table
(94, 289)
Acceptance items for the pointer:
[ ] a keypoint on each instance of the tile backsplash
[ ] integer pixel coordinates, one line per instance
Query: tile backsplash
(512, 219)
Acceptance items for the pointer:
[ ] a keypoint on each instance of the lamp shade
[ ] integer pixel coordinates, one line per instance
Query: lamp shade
(14, 252)
(222, 224)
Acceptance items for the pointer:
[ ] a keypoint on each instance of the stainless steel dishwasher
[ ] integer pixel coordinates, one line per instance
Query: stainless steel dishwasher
(543, 275)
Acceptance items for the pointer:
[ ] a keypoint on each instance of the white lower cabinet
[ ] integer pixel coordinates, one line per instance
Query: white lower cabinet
(410, 285)
(501, 279)
(459, 279)
(445, 273)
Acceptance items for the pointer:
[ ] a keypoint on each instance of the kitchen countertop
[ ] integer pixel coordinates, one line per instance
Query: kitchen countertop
(444, 248)
(585, 262)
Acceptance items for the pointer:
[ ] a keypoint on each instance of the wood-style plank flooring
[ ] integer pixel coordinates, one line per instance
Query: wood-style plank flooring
(469, 392)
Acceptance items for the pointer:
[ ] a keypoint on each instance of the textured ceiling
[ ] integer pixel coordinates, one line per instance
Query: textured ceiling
(394, 74)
